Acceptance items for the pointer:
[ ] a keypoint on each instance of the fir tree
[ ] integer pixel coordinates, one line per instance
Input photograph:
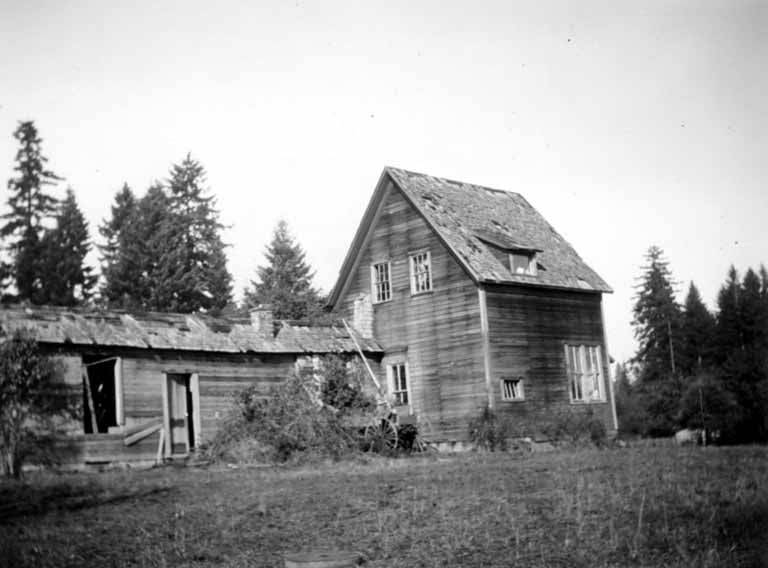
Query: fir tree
(728, 329)
(68, 281)
(286, 282)
(657, 319)
(191, 274)
(698, 326)
(29, 206)
(133, 251)
(113, 229)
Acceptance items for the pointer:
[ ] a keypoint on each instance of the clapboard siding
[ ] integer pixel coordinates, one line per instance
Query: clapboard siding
(220, 376)
(528, 328)
(438, 332)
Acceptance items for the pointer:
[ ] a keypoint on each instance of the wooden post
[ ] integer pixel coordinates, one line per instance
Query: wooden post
(89, 400)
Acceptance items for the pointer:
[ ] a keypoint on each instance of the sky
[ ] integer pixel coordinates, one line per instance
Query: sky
(625, 124)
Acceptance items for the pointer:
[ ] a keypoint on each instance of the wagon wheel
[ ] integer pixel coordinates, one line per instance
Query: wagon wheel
(381, 436)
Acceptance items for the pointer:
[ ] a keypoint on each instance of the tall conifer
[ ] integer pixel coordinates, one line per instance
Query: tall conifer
(285, 282)
(68, 280)
(30, 205)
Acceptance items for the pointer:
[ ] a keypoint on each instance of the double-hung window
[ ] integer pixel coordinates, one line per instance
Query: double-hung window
(585, 373)
(381, 286)
(421, 272)
(398, 381)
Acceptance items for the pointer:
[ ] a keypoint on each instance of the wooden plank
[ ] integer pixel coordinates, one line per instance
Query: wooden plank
(89, 400)
(148, 430)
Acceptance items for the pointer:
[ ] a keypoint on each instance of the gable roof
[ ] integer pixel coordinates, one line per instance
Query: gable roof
(470, 220)
(171, 331)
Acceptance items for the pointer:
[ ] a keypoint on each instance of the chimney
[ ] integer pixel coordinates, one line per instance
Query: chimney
(261, 320)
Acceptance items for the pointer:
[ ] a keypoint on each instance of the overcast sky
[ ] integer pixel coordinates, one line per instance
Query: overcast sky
(625, 124)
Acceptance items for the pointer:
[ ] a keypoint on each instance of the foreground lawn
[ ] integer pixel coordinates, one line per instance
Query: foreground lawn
(622, 507)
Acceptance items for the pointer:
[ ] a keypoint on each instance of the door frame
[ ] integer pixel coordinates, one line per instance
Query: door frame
(193, 387)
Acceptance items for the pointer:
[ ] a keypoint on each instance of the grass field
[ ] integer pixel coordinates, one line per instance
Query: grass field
(652, 506)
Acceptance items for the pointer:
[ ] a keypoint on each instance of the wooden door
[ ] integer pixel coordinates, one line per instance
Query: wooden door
(178, 413)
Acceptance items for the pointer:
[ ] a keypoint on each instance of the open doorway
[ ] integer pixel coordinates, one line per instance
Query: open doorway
(181, 412)
(102, 394)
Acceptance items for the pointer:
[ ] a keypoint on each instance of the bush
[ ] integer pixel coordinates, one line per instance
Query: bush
(576, 428)
(297, 420)
(31, 399)
(489, 431)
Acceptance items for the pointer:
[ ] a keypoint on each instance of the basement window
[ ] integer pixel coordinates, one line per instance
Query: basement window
(398, 383)
(585, 373)
(102, 395)
(512, 388)
(421, 272)
(381, 288)
(523, 263)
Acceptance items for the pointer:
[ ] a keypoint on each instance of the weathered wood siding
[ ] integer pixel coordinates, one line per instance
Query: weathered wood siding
(528, 328)
(143, 373)
(438, 332)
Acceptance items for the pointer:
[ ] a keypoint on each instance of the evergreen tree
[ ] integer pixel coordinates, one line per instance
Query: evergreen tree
(728, 328)
(113, 229)
(698, 326)
(628, 410)
(191, 274)
(29, 206)
(657, 322)
(68, 280)
(286, 282)
(133, 250)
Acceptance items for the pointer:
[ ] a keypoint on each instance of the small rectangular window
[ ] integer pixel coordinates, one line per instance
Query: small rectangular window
(512, 388)
(585, 372)
(380, 283)
(523, 263)
(399, 383)
(421, 273)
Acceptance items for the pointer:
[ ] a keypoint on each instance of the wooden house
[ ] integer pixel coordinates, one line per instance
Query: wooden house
(476, 301)
(158, 385)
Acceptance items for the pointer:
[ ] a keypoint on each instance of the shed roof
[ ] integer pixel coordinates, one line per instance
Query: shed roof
(471, 219)
(172, 331)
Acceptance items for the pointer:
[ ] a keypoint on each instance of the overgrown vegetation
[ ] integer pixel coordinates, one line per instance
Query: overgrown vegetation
(694, 368)
(299, 420)
(497, 431)
(652, 506)
(31, 400)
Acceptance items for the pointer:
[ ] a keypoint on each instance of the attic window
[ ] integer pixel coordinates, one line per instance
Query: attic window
(521, 262)
(421, 272)
(380, 283)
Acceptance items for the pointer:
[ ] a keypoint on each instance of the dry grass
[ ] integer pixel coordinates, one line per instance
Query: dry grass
(623, 507)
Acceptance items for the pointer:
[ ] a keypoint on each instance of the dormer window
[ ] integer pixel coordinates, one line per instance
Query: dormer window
(523, 262)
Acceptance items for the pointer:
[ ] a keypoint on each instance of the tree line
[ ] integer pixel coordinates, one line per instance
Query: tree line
(160, 251)
(695, 368)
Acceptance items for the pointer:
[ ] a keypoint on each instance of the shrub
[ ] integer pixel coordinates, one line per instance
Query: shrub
(489, 431)
(297, 420)
(31, 399)
(576, 428)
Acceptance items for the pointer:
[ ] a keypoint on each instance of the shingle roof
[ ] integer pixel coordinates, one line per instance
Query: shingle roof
(182, 332)
(471, 220)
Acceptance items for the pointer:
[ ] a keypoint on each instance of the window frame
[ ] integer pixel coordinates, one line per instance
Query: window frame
(413, 275)
(587, 371)
(520, 389)
(118, 406)
(377, 285)
(531, 270)
(401, 396)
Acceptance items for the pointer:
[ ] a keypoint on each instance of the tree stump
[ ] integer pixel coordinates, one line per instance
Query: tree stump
(321, 559)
